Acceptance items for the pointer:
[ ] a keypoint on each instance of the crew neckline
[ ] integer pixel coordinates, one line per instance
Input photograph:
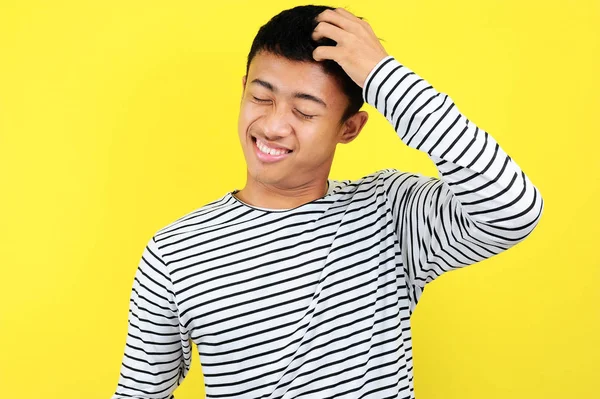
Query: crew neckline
(328, 193)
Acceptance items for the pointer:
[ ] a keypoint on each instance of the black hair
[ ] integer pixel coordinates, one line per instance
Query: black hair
(288, 34)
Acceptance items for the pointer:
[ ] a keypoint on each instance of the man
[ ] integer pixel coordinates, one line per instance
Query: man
(300, 286)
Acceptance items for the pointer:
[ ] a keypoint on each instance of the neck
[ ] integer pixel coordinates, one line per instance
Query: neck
(275, 197)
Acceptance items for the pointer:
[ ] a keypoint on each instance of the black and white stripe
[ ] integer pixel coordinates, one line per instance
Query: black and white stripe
(315, 301)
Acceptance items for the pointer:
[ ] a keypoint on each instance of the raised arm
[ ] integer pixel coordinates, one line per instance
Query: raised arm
(483, 202)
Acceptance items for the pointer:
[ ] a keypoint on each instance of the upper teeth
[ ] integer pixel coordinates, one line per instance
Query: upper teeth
(267, 150)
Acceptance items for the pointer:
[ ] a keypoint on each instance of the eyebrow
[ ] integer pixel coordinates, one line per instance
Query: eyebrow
(303, 96)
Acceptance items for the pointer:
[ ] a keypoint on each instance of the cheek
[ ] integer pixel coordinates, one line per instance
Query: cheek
(319, 139)
(250, 112)
(245, 118)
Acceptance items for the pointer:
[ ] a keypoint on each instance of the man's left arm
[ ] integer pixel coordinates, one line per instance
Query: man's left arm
(483, 202)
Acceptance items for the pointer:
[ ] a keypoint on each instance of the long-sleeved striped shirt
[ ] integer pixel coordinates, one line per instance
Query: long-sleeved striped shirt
(315, 301)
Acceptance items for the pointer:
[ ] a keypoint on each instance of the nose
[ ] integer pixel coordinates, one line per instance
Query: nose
(276, 124)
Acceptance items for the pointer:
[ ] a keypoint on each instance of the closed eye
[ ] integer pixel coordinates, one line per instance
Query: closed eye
(260, 100)
(305, 116)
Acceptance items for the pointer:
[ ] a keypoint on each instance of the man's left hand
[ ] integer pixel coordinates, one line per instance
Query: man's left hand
(358, 50)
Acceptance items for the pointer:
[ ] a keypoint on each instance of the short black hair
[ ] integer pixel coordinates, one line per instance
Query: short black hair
(288, 34)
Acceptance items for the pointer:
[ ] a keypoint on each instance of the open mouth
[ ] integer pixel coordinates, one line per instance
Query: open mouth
(267, 154)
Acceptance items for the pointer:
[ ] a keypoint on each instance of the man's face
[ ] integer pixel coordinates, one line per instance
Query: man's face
(295, 109)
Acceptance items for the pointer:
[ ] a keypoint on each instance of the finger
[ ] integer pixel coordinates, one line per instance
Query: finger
(325, 29)
(339, 20)
(350, 16)
(346, 13)
(327, 53)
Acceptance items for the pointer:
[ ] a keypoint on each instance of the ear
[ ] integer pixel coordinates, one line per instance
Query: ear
(243, 88)
(352, 126)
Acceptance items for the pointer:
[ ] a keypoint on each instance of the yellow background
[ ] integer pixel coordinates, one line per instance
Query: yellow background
(117, 117)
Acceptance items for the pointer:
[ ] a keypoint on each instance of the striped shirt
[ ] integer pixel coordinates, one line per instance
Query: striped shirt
(315, 301)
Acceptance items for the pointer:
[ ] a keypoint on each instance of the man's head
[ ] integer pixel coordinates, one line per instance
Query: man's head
(288, 34)
(294, 103)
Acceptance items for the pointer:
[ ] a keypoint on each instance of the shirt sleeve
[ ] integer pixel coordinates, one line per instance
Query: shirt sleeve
(482, 203)
(157, 349)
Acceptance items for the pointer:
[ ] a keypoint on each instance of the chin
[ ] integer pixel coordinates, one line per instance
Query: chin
(266, 178)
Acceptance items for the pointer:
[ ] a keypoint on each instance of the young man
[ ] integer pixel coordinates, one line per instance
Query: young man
(300, 286)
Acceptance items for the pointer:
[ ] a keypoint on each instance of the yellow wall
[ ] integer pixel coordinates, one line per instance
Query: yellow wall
(116, 117)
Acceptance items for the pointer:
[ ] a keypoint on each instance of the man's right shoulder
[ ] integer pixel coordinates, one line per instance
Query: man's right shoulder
(196, 218)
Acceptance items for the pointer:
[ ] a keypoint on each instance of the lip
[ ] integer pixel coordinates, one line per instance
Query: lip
(267, 158)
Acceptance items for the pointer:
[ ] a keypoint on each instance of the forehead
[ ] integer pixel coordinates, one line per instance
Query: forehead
(290, 76)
